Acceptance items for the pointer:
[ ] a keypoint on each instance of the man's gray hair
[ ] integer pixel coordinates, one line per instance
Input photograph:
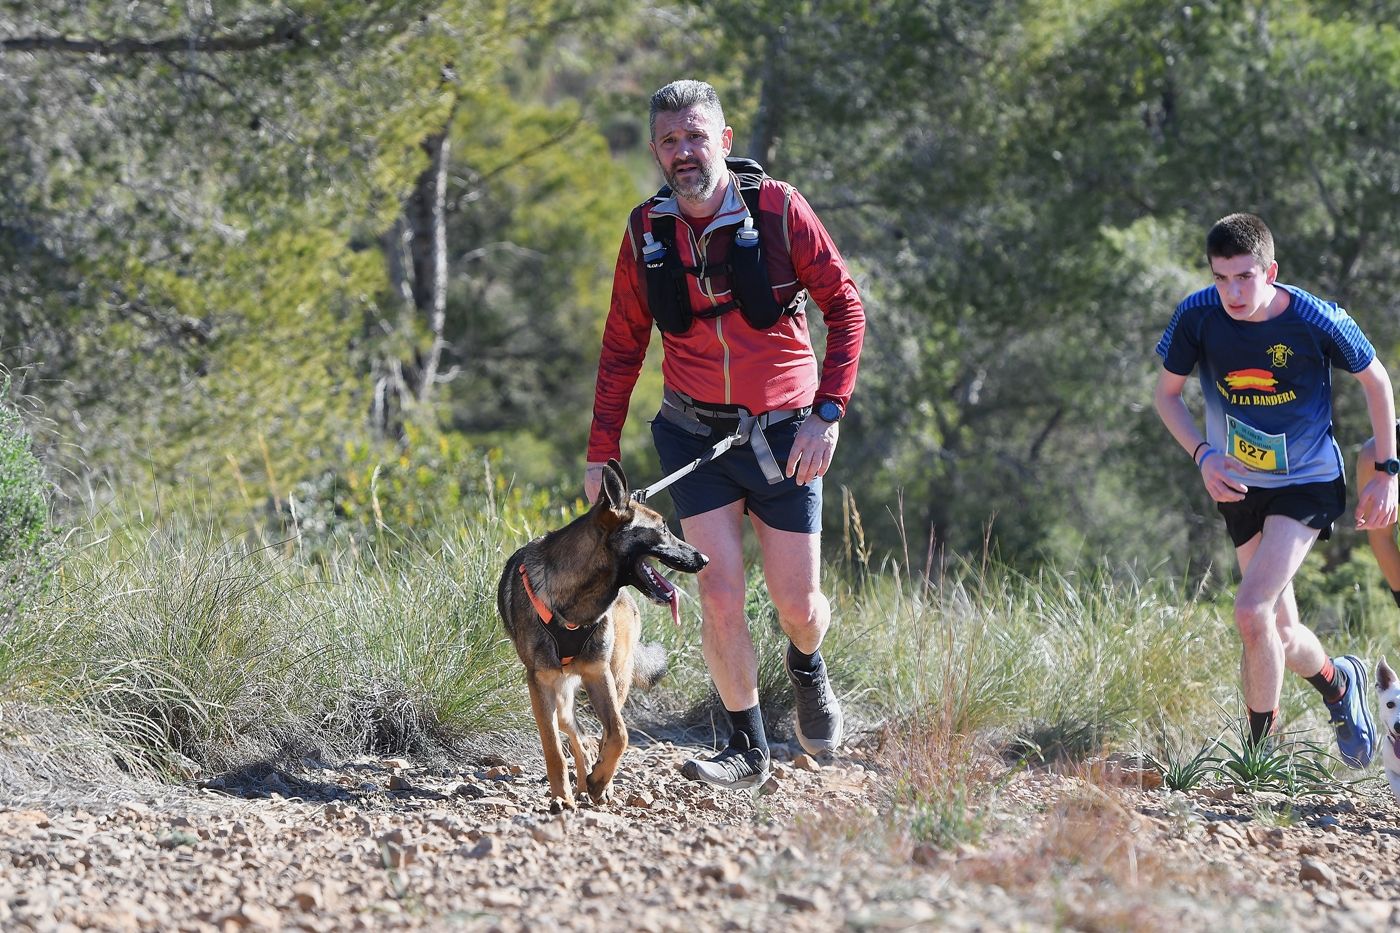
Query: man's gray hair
(678, 95)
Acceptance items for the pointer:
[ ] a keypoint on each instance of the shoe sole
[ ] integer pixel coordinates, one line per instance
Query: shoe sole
(695, 774)
(1356, 677)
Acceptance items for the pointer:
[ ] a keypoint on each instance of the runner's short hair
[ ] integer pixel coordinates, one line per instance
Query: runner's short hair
(678, 95)
(1240, 235)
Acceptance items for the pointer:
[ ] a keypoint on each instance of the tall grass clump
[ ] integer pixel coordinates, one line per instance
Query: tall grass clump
(419, 656)
(225, 651)
(1065, 662)
(27, 546)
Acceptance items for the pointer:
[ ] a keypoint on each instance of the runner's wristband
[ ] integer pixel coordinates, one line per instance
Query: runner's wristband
(1198, 449)
(1202, 463)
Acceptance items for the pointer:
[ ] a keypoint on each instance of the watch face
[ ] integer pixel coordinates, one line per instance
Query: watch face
(829, 411)
(1389, 466)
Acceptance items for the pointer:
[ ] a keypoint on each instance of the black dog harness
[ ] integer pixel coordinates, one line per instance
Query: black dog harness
(568, 641)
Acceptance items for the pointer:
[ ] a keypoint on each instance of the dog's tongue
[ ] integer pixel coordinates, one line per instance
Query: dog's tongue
(1395, 745)
(676, 606)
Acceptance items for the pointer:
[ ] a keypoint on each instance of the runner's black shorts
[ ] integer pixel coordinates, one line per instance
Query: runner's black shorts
(1316, 505)
(735, 475)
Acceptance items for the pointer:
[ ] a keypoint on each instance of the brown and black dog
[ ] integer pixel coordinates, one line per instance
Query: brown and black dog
(564, 603)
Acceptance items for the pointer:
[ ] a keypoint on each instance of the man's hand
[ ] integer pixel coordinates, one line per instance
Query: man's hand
(813, 449)
(592, 480)
(1375, 507)
(1221, 474)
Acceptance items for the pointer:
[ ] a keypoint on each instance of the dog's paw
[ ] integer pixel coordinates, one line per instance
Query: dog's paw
(600, 791)
(560, 804)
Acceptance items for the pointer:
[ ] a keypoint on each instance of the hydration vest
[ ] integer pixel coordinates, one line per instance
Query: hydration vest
(668, 294)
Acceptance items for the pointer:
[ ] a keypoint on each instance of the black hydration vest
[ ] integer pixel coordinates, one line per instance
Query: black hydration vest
(668, 296)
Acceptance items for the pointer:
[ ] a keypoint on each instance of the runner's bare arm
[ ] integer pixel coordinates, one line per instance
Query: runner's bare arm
(1220, 472)
(1376, 503)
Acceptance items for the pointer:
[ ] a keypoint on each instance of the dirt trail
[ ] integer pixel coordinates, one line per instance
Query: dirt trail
(383, 845)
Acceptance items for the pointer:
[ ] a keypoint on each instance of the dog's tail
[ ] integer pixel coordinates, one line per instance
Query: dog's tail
(649, 667)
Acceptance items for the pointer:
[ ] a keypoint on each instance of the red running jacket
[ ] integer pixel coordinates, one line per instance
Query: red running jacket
(722, 360)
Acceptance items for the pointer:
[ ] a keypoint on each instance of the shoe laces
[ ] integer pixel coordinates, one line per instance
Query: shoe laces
(739, 763)
(812, 688)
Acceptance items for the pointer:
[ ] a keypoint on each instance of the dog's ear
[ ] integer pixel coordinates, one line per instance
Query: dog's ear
(1385, 677)
(614, 467)
(613, 493)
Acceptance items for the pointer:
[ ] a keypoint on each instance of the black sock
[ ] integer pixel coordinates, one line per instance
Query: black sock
(1331, 682)
(749, 724)
(1396, 594)
(804, 663)
(1261, 724)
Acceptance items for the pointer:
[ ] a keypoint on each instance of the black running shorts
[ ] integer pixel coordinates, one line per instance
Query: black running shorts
(736, 475)
(1316, 505)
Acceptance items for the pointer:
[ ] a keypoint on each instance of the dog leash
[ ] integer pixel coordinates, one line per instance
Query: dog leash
(642, 495)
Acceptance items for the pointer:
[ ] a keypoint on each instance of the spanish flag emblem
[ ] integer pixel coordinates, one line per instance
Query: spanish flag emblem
(1257, 380)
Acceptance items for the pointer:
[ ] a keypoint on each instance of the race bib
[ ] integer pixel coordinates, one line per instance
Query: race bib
(1267, 453)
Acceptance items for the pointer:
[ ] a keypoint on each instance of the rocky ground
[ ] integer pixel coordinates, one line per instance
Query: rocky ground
(383, 844)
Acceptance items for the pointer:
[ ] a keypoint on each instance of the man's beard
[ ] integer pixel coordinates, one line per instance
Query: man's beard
(699, 187)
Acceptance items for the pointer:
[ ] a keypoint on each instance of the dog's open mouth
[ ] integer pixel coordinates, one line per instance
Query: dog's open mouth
(658, 589)
(1395, 744)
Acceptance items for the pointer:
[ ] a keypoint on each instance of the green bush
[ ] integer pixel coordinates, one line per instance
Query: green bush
(24, 505)
(26, 555)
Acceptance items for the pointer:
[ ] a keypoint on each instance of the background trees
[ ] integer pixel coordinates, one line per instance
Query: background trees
(253, 245)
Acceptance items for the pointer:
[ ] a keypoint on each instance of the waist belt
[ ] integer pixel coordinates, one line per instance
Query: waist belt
(702, 421)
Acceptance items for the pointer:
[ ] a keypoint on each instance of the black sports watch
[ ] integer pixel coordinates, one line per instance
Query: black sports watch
(828, 410)
(1391, 466)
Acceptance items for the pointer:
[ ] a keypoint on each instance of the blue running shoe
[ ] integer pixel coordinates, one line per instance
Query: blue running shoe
(1356, 731)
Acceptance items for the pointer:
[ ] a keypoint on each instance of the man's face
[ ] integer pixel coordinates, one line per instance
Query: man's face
(1245, 288)
(690, 147)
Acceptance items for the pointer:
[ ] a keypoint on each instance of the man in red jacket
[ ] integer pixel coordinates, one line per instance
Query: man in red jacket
(737, 356)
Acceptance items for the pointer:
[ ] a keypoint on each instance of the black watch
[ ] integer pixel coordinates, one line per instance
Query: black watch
(1391, 466)
(828, 410)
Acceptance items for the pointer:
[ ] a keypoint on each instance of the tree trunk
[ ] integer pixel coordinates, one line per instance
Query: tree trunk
(415, 252)
(768, 121)
(429, 247)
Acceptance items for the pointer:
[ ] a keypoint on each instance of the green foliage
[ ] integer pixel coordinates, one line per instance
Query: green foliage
(27, 548)
(183, 646)
(1180, 772)
(24, 501)
(1291, 766)
(946, 821)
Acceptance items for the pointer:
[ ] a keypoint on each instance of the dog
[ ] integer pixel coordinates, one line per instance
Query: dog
(564, 600)
(1388, 700)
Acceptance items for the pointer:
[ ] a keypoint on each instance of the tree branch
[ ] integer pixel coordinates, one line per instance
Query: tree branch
(286, 32)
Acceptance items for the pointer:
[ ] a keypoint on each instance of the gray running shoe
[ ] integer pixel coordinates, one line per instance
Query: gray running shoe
(738, 767)
(819, 721)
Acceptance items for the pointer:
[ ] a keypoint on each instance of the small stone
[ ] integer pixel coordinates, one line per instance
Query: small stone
(399, 782)
(306, 896)
(1317, 871)
(805, 762)
(398, 856)
(485, 846)
(807, 903)
(463, 789)
(394, 764)
(1226, 832)
(723, 872)
(738, 890)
